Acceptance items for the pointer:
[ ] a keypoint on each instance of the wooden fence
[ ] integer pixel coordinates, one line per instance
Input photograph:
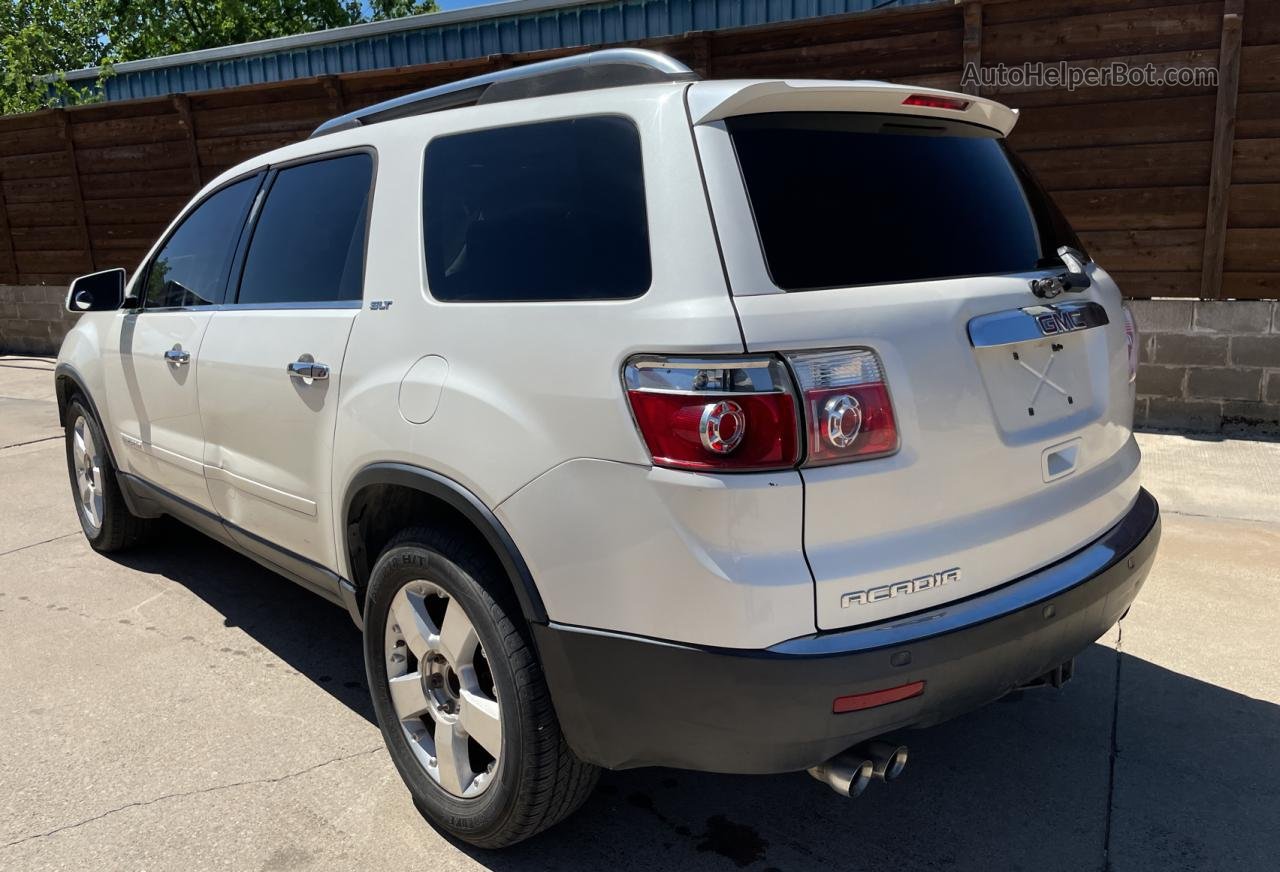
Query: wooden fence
(1175, 189)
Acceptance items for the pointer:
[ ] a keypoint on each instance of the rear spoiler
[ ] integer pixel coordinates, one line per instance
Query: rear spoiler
(716, 100)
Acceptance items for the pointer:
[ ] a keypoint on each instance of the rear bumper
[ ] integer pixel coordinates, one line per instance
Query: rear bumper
(626, 701)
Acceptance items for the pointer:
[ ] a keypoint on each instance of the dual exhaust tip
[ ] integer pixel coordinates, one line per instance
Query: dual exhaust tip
(849, 773)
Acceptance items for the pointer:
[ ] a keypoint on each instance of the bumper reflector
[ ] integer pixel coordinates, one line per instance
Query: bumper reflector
(860, 701)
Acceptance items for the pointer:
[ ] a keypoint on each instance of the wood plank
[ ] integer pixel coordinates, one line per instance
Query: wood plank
(50, 238)
(10, 272)
(243, 120)
(182, 105)
(226, 151)
(1169, 119)
(1026, 96)
(1260, 68)
(835, 28)
(1254, 206)
(1134, 208)
(1252, 249)
(37, 190)
(1009, 11)
(125, 131)
(972, 47)
(1123, 166)
(1255, 160)
(1258, 115)
(41, 214)
(1251, 285)
(1145, 284)
(34, 166)
(73, 173)
(909, 54)
(134, 210)
(1261, 22)
(126, 237)
(128, 158)
(1215, 222)
(174, 182)
(1132, 31)
(30, 141)
(1164, 250)
(67, 261)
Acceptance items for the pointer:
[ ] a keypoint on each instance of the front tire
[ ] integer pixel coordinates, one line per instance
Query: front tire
(459, 694)
(100, 507)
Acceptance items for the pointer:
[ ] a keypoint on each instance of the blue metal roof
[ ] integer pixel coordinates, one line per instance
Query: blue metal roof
(522, 25)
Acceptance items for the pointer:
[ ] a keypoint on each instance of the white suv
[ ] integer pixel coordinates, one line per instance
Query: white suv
(638, 420)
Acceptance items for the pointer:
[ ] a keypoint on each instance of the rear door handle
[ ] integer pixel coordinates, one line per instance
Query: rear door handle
(308, 369)
(177, 357)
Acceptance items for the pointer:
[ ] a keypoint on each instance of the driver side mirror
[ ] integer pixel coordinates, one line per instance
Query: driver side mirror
(97, 292)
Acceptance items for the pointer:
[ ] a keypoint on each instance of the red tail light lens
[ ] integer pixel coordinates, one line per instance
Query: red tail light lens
(714, 414)
(937, 101)
(847, 410)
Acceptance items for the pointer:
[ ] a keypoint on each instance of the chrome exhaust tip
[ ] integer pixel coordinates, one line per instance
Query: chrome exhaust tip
(848, 774)
(888, 759)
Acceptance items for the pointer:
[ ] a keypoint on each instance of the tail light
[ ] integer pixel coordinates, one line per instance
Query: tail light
(846, 405)
(744, 413)
(714, 413)
(1131, 341)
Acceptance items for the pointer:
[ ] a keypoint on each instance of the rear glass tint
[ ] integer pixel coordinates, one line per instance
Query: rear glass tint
(548, 211)
(844, 199)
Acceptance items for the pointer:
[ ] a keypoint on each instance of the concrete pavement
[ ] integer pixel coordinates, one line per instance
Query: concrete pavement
(181, 708)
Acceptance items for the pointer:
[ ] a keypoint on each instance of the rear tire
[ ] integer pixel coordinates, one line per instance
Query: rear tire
(510, 773)
(100, 507)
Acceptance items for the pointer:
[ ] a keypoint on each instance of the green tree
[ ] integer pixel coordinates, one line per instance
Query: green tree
(39, 37)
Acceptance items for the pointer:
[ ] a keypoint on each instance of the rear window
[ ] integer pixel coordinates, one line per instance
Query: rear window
(843, 199)
(548, 211)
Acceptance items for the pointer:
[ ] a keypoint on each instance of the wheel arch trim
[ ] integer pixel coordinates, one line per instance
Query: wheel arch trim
(466, 503)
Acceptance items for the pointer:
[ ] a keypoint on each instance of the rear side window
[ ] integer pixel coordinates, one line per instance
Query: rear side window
(308, 243)
(548, 211)
(191, 268)
(844, 199)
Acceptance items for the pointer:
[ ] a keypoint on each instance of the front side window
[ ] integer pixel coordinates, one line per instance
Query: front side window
(308, 243)
(553, 210)
(843, 199)
(191, 267)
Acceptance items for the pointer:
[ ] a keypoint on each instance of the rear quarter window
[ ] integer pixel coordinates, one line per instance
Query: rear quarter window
(553, 210)
(847, 199)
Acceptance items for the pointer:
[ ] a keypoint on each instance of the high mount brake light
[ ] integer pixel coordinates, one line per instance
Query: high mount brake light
(936, 101)
(714, 414)
(846, 405)
(720, 414)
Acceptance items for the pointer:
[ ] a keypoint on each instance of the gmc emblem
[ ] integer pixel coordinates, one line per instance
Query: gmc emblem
(1057, 321)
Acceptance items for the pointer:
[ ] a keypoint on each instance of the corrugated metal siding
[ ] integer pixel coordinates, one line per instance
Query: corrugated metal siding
(554, 28)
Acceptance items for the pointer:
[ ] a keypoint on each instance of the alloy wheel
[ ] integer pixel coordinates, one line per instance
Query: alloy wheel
(442, 689)
(87, 458)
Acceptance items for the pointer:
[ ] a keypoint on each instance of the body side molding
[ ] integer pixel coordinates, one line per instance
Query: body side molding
(466, 503)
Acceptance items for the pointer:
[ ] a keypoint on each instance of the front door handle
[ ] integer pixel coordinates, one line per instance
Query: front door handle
(177, 357)
(308, 369)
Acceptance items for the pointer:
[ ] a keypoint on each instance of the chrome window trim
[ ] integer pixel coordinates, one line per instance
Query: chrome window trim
(259, 307)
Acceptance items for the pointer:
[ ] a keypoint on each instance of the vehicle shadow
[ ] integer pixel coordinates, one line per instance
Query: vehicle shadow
(1130, 767)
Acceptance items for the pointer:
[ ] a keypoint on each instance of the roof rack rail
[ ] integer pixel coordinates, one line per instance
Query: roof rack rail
(609, 68)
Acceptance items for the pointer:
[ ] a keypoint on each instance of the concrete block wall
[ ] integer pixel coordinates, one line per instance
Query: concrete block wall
(32, 318)
(1209, 366)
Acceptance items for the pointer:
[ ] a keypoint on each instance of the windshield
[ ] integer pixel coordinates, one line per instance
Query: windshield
(843, 199)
